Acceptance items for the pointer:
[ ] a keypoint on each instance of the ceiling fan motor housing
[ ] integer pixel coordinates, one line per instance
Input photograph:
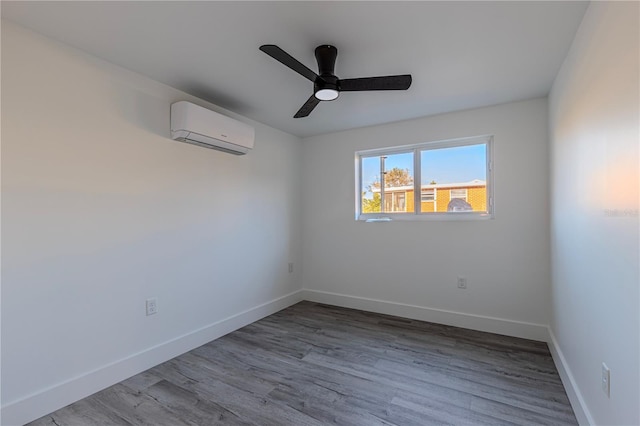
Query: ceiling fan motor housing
(326, 57)
(325, 87)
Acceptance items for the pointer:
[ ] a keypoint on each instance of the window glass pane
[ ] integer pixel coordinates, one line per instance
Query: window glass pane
(399, 202)
(397, 177)
(398, 182)
(458, 193)
(370, 185)
(388, 201)
(458, 177)
(428, 194)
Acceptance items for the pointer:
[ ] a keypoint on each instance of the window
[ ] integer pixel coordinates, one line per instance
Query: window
(427, 195)
(445, 179)
(394, 201)
(458, 193)
(399, 204)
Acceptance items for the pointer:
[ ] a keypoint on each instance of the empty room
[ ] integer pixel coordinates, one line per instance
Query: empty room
(320, 212)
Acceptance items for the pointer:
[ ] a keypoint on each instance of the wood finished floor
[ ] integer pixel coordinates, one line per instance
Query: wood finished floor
(314, 364)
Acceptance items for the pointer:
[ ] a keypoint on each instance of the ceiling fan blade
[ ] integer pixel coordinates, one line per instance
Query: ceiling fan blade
(390, 82)
(284, 58)
(308, 106)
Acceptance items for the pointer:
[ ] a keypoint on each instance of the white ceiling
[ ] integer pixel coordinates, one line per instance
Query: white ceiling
(461, 54)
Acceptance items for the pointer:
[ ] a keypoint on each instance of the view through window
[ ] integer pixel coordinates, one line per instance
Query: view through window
(431, 179)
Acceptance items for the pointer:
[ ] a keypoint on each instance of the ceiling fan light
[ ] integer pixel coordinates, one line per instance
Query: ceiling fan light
(326, 94)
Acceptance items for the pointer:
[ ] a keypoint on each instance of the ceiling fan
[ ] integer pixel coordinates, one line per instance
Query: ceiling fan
(326, 86)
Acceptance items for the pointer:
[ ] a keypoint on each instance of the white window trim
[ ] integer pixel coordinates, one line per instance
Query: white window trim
(417, 215)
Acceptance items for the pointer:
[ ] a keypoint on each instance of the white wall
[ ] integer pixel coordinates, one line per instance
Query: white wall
(506, 260)
(595, 226)
(102, 210)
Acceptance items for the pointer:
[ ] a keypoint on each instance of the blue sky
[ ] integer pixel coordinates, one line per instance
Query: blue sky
(456, 164)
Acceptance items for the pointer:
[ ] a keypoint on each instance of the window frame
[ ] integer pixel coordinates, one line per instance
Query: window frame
(417, 214)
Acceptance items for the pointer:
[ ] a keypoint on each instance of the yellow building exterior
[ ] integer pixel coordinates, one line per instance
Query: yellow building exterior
(436, 197)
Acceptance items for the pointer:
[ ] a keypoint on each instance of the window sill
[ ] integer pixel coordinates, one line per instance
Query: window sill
(404, 217)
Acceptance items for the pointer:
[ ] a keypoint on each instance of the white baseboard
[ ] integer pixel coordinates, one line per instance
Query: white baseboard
(573, 392)
(60, 395)
(458, 319)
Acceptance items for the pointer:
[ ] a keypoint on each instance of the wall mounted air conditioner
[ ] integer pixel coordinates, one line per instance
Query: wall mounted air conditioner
(199, 126)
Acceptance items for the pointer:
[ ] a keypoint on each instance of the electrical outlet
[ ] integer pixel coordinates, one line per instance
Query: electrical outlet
(152, 306)
(290, 267)
(462, 282)
(606, 380)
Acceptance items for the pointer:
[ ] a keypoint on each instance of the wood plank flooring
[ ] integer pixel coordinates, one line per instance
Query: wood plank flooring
(313, 364)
